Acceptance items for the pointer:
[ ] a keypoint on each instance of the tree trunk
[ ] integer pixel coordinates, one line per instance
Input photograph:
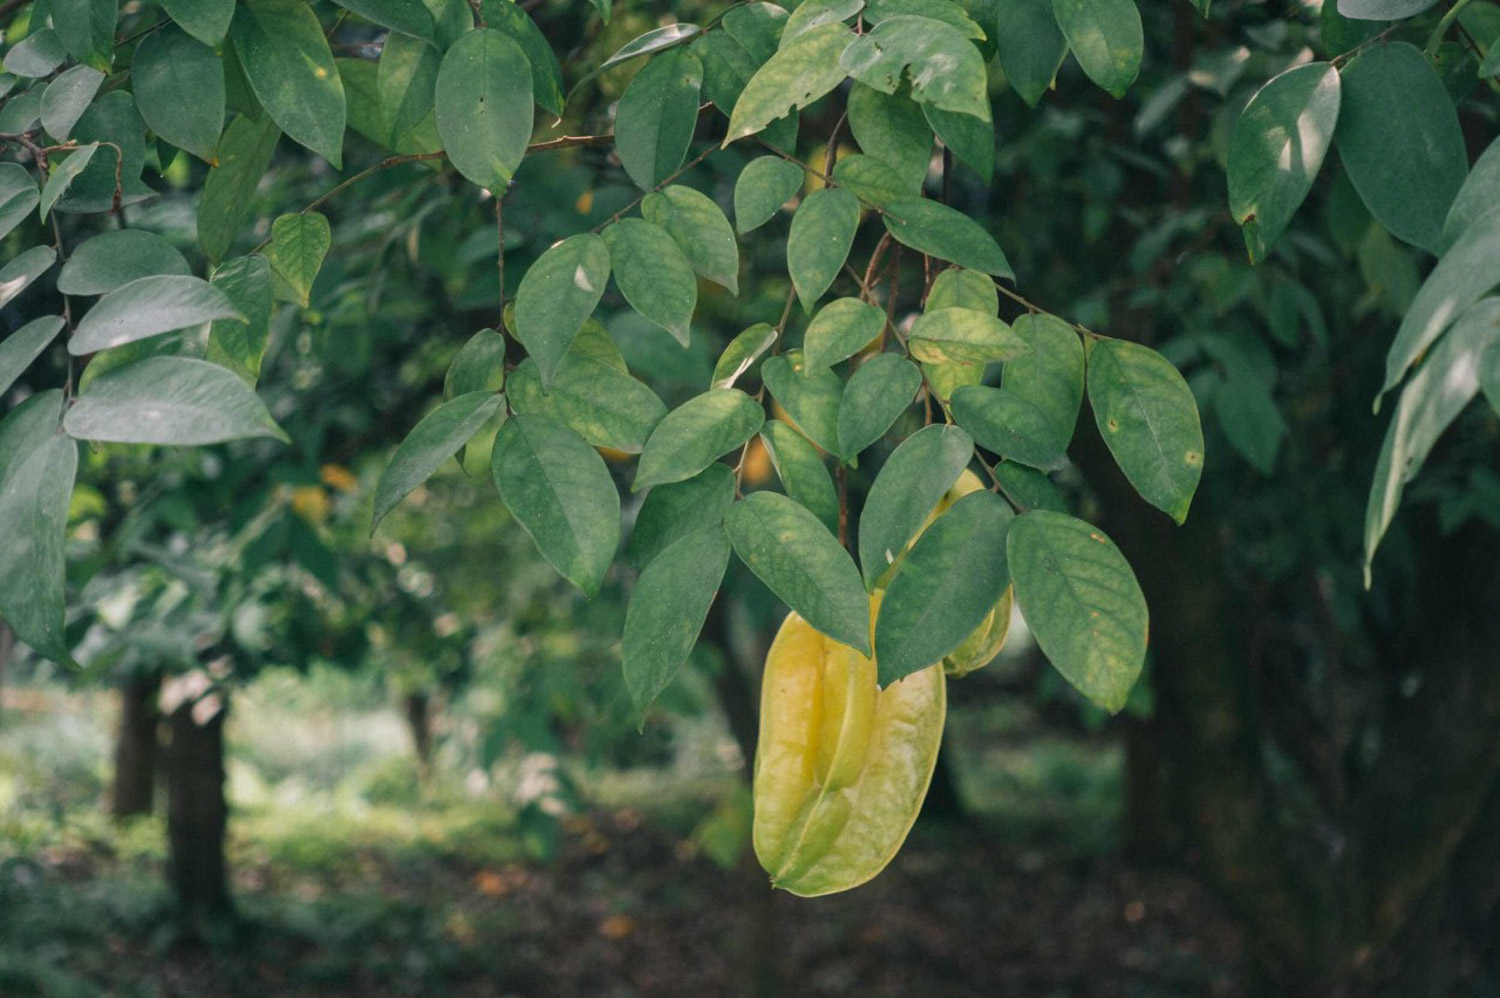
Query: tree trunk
(1146, 833)
(944, 803)
(134, 788)
(419, 722)
(196, 809)
(737, 693)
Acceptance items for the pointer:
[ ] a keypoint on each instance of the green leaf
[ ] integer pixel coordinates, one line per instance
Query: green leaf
(878, 392)
(87, 29)
(971, 139)
(604, 7)
(146, 307)
(816, 13)
(560, 492)
(742, 353)
(405, 84)
(789, 550)
(286, 60)
(484, 107)
(840, 329)
(398, 15)
(17, 275)
(1147, 416)
(652, 41)
(732, 56)
(431, 442)
(18, 195)
(938, 230)
(546, 72)
(1082, 602)
(1382, 10)
(699, 227)
(959, 288)
(1029, 487)
(667, 609)
(1250, 420)
(1009, 425)
(479, 366)
(63, 175)
(697, 433)
(1400, 142)
(169, 400)
(229, 189)
(299, 243)
(891, 128)
(1443, 386)
(1480, 192)
(68, 96)
(673, 511)
(946, 585)
(653, 275)
(947, 11)
(1465, 272)
(801, 71)
(37, 466)
(657, 116)
(36, 55)
(20, 348)
(944, 67)
(206, 20)
(822, 234)
(1032, 47)
(111, 259)
(811, 398)
(1106, 39)
(803, 474)
(592, 394)
(179, 88)
(1051, 374)
(962, 335)
(557, 296)
(22, 112)
(914, 478)
(764, 185)
(1277, 149)
(113, 123)
(232, 343)
(869, 179)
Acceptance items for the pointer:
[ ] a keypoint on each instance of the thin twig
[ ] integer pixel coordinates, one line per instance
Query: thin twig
(674, 176)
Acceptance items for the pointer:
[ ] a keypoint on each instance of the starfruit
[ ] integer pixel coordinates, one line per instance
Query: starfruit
(841, 766)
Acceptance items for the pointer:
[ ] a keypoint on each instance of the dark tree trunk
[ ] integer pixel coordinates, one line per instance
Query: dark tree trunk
(738, 696)
(1146, 833)
(134, 788)
(944, 803)
(419, 722)
(196, 810)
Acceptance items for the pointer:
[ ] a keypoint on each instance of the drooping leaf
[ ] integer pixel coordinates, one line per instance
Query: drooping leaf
(1147, 416)
(935, 229)
(1051, 374)
(37, 466)
(431, 442)
(910, 484)
(816, 13)
(1032, 47)
(1106, 38)
(667, 609)
(111, 259)
(63, 175)
(206, 20)
(398, 15)
(67, 97)
(947, 11)
(946, 585)
(1400, 141)
(944, 67)
(484, 107)
(1382, 10)
(17, 275)
(811, 398)
(822, 234)
(229, 189)
(653, 275)
(652, 41)
(802, 70)
(169, 400)
(299, 242)
(405, 87)
(700, 229)
(1082, 602)
(232, 343)
(36, 55)
(878, 392)
(479, 365)
(962, 335)
(869, 179)
(657, 116)
(146, 307)
(1480, 192)
(546, 72)
(18, 195)
(1250, 420)
(742, 353)
(1277, 149)
(560, 492)
(1010, 425)
(112, 123)
(675, 510)
(25, 345)
(971, 139)
(789, 550)
(764, 185)
(1029, 487)
(804, 476)
(286, 60)
(839, 330)
(557, 296)
(592, 394)
(959, 288)
(87, 29)
(179, 88)
(697, 433)
(890, 127)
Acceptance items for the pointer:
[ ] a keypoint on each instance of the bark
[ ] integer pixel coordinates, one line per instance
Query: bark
(134, 789)
(737, 693)
(1146, 833)
(197, 813)
(944, 802)
(418, 708)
